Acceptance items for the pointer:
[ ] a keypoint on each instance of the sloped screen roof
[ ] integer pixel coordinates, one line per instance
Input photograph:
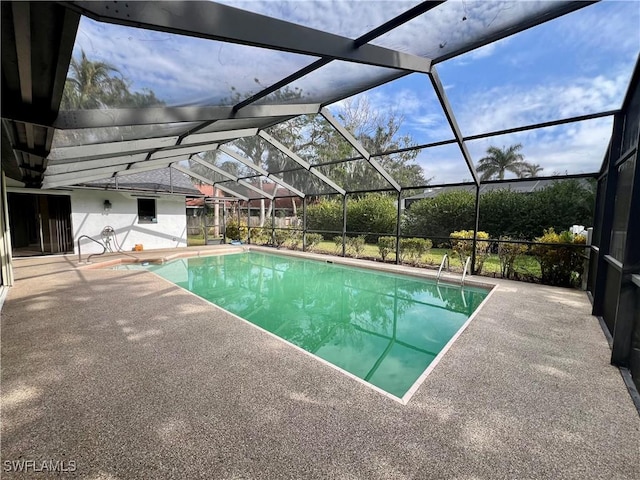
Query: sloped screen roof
(312, 96)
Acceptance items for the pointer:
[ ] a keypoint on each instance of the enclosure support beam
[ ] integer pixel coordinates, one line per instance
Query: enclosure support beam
(224, 173)
(398, 228)
(304, 224)
(265, 136)
(344, 225)
(213, 168)
(346, 134)
(273, 221)
(476, 223)
(74, 178)
(119, 117)
(260, 170)
(208, 181)
(608, 210)
(131, 162)
(448, 111)
(249, 223)
(103, 150)
(366, 38)
(223, 23)
(224, 222)
(622, 349)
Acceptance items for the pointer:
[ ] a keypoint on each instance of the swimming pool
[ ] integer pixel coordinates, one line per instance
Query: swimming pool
(383, 328)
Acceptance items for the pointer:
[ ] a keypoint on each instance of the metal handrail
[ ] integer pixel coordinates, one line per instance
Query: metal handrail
(466, 266)
(444, 259)
(104, 248)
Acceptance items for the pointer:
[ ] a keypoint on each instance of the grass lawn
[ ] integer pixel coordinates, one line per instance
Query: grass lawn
(195, 240)
(526, 265)
(198, 240)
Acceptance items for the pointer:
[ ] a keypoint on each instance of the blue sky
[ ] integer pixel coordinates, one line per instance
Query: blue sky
(577, 64)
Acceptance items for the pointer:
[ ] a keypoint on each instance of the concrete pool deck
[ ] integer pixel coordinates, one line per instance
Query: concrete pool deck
(131, 377)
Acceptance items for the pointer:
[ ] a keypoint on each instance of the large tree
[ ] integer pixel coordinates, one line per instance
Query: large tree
(316, 141)
(500, 160)
(380, 131)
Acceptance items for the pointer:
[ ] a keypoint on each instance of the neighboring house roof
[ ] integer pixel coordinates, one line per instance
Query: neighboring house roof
(527, 186)
(162, 180)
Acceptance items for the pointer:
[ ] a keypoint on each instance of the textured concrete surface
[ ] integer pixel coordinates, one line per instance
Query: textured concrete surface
(131, 377)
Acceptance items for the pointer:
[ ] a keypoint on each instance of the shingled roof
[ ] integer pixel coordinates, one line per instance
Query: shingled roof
(164, 180)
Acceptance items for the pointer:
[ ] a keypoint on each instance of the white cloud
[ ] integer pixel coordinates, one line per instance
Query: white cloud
(181, 69)
(485, 51)
(606, 26)
(514, 105)
(571, 148)
(346, 18)
(574, 148)
(443, 164)
(457, 24)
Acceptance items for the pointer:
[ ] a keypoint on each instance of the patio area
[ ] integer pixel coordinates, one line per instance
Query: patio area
(132, 377)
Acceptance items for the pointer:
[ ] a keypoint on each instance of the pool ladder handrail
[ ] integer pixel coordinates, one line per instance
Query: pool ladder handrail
(445, 259)
(466, 266)
(104, 248)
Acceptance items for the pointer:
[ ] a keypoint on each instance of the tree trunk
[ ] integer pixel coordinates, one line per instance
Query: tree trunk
(272, 202)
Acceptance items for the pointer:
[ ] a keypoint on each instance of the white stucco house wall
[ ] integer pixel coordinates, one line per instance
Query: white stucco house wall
(146, 208)
(89, 217)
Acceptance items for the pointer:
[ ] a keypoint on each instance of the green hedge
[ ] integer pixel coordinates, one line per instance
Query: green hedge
(441, 215)
(504, 212)
(374, 213)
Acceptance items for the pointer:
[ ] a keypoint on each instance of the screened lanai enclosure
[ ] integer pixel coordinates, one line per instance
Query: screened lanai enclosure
(315, 99)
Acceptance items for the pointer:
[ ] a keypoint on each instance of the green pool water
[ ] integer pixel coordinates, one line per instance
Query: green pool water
(384, 328)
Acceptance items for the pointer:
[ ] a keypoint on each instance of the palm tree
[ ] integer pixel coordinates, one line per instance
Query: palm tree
(93, 84)
(530, 170)
(499, 160)
(89, 83)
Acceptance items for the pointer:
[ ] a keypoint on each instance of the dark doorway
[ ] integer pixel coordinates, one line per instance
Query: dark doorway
(40, 224)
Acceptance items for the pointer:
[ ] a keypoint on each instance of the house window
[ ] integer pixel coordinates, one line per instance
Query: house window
(147, 210)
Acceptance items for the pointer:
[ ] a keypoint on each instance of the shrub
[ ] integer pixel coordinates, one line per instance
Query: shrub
(235, 230)
(355, 245)
(325, 215)
(414, 248)
(259, 235)
(436, 217)
(313, 240)
(404, 248)
(508, 253)
(337, 241)
(280, 236)
(462, 245)
(560, 266)
(294, 242)
(374, 213)
(563, 203)
(386, 245)
(505, 213)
